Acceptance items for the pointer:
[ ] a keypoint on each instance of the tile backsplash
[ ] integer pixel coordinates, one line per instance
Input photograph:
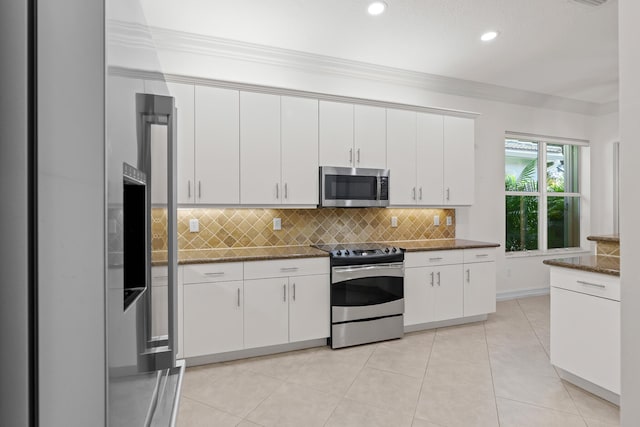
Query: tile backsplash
(236, 228)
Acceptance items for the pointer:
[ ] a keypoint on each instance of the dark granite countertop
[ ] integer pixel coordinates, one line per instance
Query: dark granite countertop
(605, 238)
(596, 264)
(203, 256)
(440, 244)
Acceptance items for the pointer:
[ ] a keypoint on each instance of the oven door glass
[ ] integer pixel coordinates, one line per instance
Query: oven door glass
(367, 291)
(350, 187)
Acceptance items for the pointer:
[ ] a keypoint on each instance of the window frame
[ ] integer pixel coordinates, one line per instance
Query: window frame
(543, 194)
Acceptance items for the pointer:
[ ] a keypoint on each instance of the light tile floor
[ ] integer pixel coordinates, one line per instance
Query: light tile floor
(493, 373)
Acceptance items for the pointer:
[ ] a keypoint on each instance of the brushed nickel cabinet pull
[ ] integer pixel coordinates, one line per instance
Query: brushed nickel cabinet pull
(188, 189)
(597, 285)
(277, 191)
(238, 297)
(294, 291)
(448, 193)
(284, 293)
(350, 155)
(286, 192)
(438, 278)
(432, 279)
(199, 189)
(468, 275)
(358, 156)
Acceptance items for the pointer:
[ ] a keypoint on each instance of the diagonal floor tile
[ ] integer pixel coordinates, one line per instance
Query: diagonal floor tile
(457, 405)
(350, 413)
(544, 391)
(195, 414)
(294, 405)
(593, 407)
(237, 394)
(327, 375)
(517, 414)
(385, 389)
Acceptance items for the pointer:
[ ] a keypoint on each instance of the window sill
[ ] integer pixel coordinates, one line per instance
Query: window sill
(558, 253)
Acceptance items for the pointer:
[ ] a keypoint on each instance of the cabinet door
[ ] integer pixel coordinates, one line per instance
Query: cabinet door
(459, 161)
(183, 95)
(449, 292)
(299, 151)
(370, 137)
(217, 146)
(213, 321)
(479, 288)
(309, 307)
(401, 156)
(336, 134)
(260, 149)
(266, 312)
(419, 295)
(585, 337)
(429, 149)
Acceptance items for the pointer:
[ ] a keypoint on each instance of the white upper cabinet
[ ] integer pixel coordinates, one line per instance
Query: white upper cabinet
(216, 179)
(336, 134)
(299, 148)
(459, 160)
(430, 158)
(370, 137)
(401, 156)
(352, 135)
(260, 149)
(429, 155)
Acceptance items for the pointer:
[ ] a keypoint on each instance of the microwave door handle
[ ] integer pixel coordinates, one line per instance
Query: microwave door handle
(378, 188)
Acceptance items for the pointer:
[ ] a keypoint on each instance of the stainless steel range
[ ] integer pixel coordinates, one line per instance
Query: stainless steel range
(367, 293)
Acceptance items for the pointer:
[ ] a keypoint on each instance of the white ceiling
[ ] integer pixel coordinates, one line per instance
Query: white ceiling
(555, 47)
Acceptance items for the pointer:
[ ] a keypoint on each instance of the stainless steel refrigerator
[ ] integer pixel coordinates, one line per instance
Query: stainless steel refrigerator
(144, 375)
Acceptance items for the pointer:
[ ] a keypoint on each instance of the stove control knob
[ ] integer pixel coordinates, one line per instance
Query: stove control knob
(338, 253)
(346, 251)
(386, 250)
(393, 250)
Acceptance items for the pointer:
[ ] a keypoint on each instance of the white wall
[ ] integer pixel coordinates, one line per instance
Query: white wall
(485, 219)
(71, 213)
(604, 132)
(629, 15)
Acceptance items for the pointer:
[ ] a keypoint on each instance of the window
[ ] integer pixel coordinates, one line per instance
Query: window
(542, 195)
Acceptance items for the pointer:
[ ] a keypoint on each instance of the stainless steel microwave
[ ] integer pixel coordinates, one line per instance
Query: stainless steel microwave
(354, 187)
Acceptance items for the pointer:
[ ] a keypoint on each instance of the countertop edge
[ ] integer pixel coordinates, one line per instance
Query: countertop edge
(591, 269)
(607, 238)
(249, 258)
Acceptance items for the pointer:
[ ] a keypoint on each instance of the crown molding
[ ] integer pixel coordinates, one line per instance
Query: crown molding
(139, 36)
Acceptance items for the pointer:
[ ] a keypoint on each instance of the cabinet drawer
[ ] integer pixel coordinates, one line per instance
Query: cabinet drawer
(286, 267)
(160, 276)
(479, 255)
(427, 258)
(215, 272)
(600, 285)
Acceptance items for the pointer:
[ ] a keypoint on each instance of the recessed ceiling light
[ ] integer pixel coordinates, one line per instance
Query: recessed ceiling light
(488, 36)
(377, 8)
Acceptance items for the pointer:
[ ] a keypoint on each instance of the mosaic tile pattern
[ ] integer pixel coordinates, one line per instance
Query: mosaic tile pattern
(608, 249)
(241, 228)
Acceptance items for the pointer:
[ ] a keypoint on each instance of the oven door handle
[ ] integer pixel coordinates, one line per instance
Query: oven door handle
(341, 274)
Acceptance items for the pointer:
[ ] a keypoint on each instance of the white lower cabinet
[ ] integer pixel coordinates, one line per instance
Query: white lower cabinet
(213, 318)
(432, 294)
(236, 306)
(266, 312)
(479, 281)
(445, 285)
(309, 307)
(585, 326)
